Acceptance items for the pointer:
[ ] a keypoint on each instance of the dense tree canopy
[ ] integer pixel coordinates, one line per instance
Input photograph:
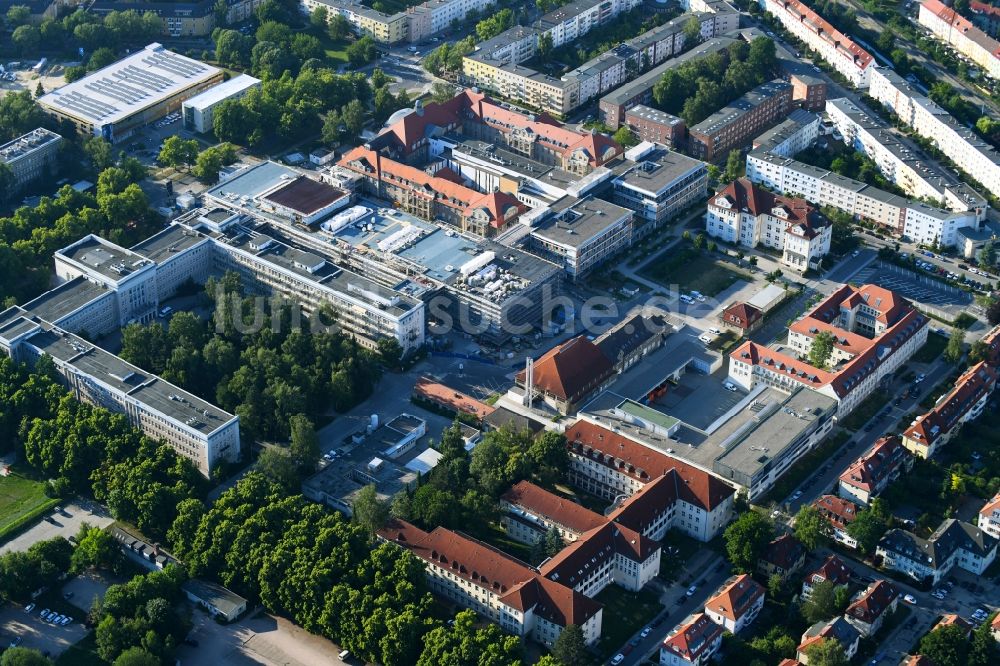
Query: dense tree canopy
(746, 538)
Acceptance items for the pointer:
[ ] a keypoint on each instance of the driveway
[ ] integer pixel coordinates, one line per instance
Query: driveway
(65, 524)
(258, 639)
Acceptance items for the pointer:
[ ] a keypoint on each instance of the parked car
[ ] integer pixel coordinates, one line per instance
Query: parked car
(691, 591)
(15, 641)
(66, 620)
(910, 599)
(617, 659)
(645, 632)
(44, 613)
(29, 608)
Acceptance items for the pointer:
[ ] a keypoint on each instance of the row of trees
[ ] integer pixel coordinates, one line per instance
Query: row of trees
(698, 88)
(119, 212)
(265, 376)
(115, 30)
(184, 153)
(447, 58)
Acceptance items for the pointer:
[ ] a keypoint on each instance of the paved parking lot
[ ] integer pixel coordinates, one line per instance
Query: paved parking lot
(36, 634)
(920, 288)
(259, 639)
(65, 523)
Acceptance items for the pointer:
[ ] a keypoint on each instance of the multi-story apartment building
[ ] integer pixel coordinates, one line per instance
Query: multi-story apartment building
(746, 214)
(735, 124)
(180, 19)
(965, 402)
(657, 184)
(530, 512)
(839, 513)
(849, 59)
(498, 64)
(614, 104)
(986, 17)
(434, 16)
(871, 606)
(117, 100)
(608, 464)
(791, 136)
(383, 28)
(989, 517)
(736, 604)
(897, 215)
(953, 543)
(782, 557)
(30, 156)
(869, 475)
(951, 27)
(196, 429)
(960, 144)
(498, 587)
(875, 332)
(903, 165)
(657, 126)
(693, 642)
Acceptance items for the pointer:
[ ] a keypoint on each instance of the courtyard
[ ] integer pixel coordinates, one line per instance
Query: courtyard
(693, 270)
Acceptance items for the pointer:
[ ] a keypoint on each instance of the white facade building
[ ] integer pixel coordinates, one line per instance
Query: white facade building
(952, 28)
(965, 148)
(852, 61)
(198, 110)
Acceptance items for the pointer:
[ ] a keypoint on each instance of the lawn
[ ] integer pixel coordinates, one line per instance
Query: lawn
(624, 614)
(336, 49)
(932, 348)
(83, 653)
(692, 269)
(21, 501)
(498, 539)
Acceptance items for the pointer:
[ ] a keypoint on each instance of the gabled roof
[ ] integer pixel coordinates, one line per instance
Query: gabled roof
(743, 315)
(833, 569)
(580, 559)
(933, 551)
(692, 637)
(572, 370)
(645, 506)
(735, 598)
(873, 602)
(629, 457)
(917, 660)
(837, 629)
(992, 506)
(876, 465)
(977, 381)
(559, 604)
(745, 195)
(550, 506)
(784, 552)
(949, 619)
(839, 511)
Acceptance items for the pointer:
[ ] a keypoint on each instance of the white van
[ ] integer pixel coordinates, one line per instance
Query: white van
(344, 654)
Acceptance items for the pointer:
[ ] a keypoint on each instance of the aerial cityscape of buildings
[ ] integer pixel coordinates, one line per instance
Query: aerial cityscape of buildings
(645, 385)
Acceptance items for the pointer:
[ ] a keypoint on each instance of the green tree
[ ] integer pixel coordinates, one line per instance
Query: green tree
(869, 526)
(692, 32)
(101, 58)
(465, 645)
(303, 441)
(319, 18)
(625, 137)
(178, 152)
(734, 165)
(821, 349)
(362, 52)
(95, 548)
(20, 656)
(810, 527)
(18, 15)
(826, 652)
(99, 151)
(978, 352)
(442, 92)
(822, 602)
(570, 648)
(136, 656)
(279, 467)
(26, 38)
(211, 160)
(746, 538)
(983, 649)
(545, 47)
(390, 351)
(956, 346)
(775, 585)
(987, 254)
(338, 27)
(368, 510)
(946, 646)
(553, 542)
(353, 117)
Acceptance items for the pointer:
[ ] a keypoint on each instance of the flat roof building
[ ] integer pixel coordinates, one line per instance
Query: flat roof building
(198, 111)
(28, 156)
(142, 87)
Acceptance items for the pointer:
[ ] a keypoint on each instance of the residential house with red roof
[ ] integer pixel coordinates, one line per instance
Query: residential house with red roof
(965, 402)
(610, 465)
(989, 517)
(744, 213)
(870, 607)
(432, 197)
(530, 512)
(956, 30)
(872, 473)
(916, 660)
(953, 619)
(567, 374)
(995, 627)
(874, 332)
(836, 48)
(743, 317)
(783, 556)
(992, 342)
(839, 513)
(692, 642)
(735, 605)
(837, 629)
(498, 587)
(832, 570)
